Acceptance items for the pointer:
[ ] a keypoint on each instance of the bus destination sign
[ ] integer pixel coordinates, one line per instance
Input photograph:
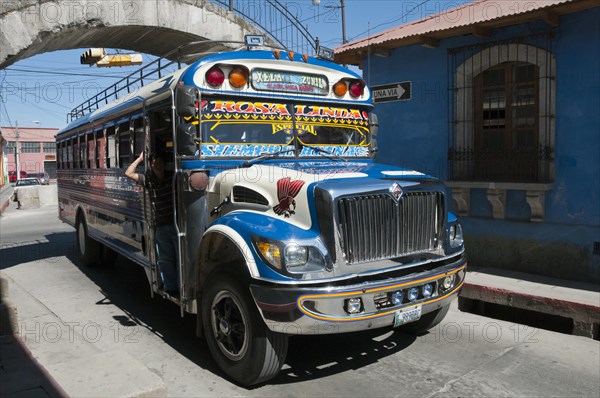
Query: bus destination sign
(285, 81)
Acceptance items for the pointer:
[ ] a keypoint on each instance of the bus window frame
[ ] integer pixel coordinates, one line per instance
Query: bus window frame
(178, 120)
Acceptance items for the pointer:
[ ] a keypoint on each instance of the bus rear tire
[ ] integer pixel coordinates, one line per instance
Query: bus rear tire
(89, 249)
(238, 339)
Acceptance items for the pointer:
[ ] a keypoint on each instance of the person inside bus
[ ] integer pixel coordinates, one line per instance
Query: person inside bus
(159, 185)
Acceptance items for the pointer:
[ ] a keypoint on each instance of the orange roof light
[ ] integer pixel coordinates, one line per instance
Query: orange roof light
(340, 88)
(277, 54)
(291, 55)
(238, 77)
(305, 58)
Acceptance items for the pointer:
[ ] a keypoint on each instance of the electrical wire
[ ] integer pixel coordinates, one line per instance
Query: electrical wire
(392, 21)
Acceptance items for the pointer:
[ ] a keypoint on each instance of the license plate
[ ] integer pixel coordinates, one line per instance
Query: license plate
(407, 315)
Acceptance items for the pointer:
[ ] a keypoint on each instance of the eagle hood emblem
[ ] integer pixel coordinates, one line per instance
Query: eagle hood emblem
(287, 190)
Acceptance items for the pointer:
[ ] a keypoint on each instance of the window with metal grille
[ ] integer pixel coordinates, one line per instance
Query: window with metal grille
(31, 147)
(49, 147)
(502, 111)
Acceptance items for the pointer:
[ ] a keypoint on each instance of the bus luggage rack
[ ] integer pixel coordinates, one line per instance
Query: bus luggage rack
(132, 82)
(149, 73)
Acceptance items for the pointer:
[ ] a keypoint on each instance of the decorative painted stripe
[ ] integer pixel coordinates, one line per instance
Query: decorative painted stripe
(373, 290)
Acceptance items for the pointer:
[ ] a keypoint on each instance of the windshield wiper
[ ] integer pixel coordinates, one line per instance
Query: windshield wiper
(265, 156)
(327, 154)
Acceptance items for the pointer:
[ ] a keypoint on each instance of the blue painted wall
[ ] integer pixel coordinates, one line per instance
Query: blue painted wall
(415, 133)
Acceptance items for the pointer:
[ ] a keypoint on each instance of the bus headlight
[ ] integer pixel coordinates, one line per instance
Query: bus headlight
(295, 255)
(296, 258)
(302, 259)
(456, 235)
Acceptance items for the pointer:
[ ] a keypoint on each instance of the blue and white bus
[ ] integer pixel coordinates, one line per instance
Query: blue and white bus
(285, 223)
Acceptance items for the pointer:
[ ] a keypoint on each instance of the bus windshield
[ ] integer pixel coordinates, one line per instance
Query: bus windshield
(264, 127)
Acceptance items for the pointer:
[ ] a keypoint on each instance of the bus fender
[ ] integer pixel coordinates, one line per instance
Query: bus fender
(222, 245)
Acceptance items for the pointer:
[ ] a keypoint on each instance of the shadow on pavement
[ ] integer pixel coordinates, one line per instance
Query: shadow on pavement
(57, 245)
(124, 284)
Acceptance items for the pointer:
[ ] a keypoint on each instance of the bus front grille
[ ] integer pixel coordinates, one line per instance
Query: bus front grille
(377, 227)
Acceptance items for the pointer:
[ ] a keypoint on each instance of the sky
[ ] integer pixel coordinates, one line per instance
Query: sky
(39, 91)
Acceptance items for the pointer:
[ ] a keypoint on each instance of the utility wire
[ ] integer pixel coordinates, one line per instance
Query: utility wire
(64, 73)
(392, 21)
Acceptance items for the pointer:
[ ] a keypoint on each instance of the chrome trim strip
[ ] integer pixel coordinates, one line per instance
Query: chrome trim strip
(324, 312)
(362, 274)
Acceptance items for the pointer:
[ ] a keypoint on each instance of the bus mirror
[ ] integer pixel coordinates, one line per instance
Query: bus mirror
(373, 124)
(186, 101)
(374, 128)
(186, 140)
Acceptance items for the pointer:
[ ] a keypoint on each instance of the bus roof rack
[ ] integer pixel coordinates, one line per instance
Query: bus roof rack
(153, 71)
(156, 69)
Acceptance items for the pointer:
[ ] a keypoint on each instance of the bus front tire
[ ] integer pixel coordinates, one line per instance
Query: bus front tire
(89, 249)
(239, 341)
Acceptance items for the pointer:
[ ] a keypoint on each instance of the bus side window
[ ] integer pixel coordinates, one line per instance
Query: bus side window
(101, 149)
(76, 152)
(91, 151)
(138, 137)
(69, 146)
(124, 145)
(59, 153)
(83, 152)
(111, 161)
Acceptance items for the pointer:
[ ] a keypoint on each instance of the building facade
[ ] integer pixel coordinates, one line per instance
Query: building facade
(37, 150)
(502, 101)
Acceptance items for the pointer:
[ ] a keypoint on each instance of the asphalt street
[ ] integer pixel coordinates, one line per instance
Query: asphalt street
(98, 332)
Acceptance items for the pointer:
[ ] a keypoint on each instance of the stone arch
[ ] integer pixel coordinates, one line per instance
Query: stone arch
(152, 27)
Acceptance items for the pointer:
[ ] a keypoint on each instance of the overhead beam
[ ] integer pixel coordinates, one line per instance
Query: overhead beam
(380, 52)
(428, 42)
(481, 31)
(551, 18)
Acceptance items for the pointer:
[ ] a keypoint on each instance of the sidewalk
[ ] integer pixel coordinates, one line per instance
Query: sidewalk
(20, 374)
(575, 301)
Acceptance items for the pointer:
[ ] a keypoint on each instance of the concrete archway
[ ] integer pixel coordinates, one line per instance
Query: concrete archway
(148, 26)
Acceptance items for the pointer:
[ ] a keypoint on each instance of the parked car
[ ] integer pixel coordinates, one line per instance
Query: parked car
(23, 183)
(42, 176)
(12, 175)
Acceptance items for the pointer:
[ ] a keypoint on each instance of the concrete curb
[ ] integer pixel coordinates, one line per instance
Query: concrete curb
(585, 316)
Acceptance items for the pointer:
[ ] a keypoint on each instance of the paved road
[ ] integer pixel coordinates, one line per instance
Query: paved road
(98, 332)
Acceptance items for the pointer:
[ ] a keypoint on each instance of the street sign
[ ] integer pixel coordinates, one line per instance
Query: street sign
(401, 91)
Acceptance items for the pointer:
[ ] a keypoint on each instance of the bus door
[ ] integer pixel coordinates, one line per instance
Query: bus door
(159, 143)
(191, 202)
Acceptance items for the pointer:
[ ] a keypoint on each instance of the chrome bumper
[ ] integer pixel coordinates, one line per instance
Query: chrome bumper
(321, 310)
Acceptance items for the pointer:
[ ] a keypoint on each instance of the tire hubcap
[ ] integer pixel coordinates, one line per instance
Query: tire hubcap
(229, 325)
(224, 327)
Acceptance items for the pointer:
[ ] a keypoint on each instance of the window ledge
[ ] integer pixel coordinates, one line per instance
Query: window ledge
(496, 195)
(507, 186)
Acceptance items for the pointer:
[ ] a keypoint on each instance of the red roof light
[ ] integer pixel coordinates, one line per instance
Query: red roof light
(215, 76)
(357, 88)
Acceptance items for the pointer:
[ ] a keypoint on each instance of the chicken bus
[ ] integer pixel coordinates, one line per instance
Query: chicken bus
(285, 225)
